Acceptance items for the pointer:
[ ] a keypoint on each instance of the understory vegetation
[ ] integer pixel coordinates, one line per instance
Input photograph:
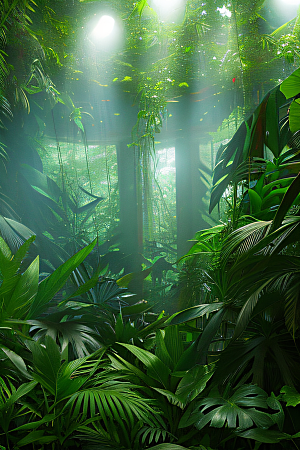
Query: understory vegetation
(201, 353)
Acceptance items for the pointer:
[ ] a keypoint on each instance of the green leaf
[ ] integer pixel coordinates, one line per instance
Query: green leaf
(161, 350)
(168, 447)
(239, 410)
(156, 368)
(17, 361)
(36, 436)
(193, 383)
(275, 101)
(287, 201)
(265, 436)
(290, 87)
(25, 291)
(52, 284)
(210, 331)
(290, 396)
(255, 201)
(193, 313)
(174, 343)
(294, 116)
(46, 359)
(9, 265)
(41, 182)
(35, 424)
(139, 7)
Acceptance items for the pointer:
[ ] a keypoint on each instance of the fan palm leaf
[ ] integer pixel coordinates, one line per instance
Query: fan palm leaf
(67, 331)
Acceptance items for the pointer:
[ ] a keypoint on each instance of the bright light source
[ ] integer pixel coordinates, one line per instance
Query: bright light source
(292, 2)
(104, 27)
(168, 9)
(225, 12)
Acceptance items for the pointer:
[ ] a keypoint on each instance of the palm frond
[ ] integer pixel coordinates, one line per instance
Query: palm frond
(67, 331)
(14, 233)
(113, 402)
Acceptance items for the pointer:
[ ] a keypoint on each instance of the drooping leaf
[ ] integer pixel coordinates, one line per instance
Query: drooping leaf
(193, 313)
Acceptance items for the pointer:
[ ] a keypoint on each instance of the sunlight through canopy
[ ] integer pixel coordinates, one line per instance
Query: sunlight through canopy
(104, 27)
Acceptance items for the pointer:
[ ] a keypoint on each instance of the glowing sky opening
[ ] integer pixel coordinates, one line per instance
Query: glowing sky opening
(104, 27)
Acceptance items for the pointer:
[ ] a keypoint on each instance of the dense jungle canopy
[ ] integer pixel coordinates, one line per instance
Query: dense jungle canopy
(149, 224)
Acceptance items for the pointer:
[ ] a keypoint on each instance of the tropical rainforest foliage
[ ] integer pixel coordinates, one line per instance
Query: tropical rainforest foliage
(92, 356)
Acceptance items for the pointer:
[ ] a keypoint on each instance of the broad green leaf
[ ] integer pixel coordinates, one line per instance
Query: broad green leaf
(139, 7)
(22, 390)
(46, 360)
(40, 181)
(255, 201)
(132, 277)
(290, 396)
(259, 185)
(52, 284)
(294, 116)
(155, 366)
(284, 182)
(265, 436)
(239, 410)
(290, 87)
(36, 436)
(210, 330)
(190, 357)
(86, 286)
(174, 343)
(17, 361)
(193, 313)
(275, 101)
(35, 424)
(161, 350)
(24, 292)
(193, 383)
(5, 257)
